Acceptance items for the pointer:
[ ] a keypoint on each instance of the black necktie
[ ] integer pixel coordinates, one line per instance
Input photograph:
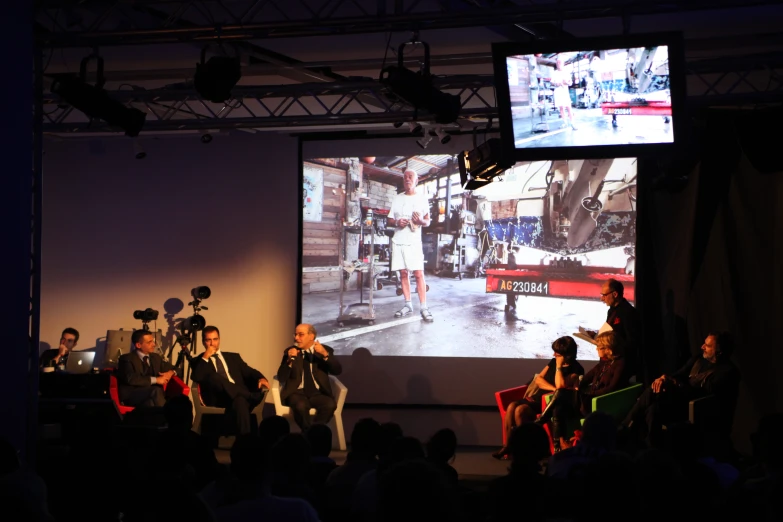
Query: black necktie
(147, 367)
(221, 368)
(309, 384)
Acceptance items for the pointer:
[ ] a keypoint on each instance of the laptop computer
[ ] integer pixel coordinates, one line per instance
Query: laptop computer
(79, 362)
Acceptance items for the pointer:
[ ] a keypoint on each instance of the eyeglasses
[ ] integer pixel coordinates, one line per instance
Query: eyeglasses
(607, 293)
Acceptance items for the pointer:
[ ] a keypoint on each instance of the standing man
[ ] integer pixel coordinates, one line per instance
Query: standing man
(142, 373)
(624, 320)
(226, 381)
(304, 377)
(59, 356)
(409, 212)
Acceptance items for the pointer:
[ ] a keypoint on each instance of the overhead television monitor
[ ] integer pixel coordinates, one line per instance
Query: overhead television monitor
(508, 268)
(591, 97)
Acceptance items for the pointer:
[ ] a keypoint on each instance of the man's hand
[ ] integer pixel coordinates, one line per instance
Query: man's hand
(161, 379)
(320, 350)
(62, 351)
(209, 351)
(658, 384)
(292, 352)
(263, 383)
(403, 222)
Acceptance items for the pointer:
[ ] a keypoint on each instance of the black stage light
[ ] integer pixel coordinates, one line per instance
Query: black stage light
(95, 102)
(201, 292)
(482, 164)
(416, 89)
(206, 138)
(215, 78)
(194, 323)
(146, 315)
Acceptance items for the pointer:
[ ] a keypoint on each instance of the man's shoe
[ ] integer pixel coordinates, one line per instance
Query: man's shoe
(426, 315)
(405, 310)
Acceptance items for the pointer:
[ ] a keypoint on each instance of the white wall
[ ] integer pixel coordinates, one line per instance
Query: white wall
(121, 234)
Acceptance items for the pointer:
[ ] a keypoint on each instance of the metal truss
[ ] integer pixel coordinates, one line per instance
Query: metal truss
(295, 105)
(75, 23)
(730, 81)
(756, 79)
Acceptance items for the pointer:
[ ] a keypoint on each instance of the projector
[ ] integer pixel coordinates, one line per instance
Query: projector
(480, 165)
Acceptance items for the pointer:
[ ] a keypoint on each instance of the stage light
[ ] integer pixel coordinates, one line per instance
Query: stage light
(416, 89)
(146, 315)
(424, 141)
(201, 292)
(138, 150)
(482, 164)
(397, 124)
(195, 323)
(95, 102)
(442, 135)
(414, 127)
(206, 138)
(215, 78)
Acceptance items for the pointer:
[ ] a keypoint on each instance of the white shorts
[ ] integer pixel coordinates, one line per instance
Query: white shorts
(407, 257)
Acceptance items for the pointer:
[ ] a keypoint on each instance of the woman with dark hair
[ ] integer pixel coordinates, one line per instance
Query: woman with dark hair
(563, 371)
(567, 406)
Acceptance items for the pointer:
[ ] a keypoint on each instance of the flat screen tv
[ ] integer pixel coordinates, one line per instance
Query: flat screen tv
(591, 97)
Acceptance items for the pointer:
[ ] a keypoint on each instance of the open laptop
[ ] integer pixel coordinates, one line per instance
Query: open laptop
(79, 362)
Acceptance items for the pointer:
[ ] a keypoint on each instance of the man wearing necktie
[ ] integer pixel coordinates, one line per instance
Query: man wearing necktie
(226, 381)
(142, 373)
(304, 377)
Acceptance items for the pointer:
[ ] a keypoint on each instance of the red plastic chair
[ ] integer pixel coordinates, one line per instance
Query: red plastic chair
(506, 397)
(503, 399)
(175, 386)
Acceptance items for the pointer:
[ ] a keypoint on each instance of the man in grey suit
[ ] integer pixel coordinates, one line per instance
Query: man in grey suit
(304, 377)
(142, 373)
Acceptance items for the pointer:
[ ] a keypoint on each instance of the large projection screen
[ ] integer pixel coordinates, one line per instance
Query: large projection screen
(569, 225)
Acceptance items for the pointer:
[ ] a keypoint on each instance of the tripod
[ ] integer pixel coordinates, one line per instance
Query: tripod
(190, 328)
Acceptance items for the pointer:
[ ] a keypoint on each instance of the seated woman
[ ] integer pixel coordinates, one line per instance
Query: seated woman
(607, 376)
(563, 371)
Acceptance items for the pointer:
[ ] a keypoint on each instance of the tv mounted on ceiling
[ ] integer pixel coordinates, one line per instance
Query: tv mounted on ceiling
(603, 97)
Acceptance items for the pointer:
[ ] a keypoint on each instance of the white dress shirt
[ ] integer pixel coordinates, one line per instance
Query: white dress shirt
(142, 355)
(310, 351)
(214, 365)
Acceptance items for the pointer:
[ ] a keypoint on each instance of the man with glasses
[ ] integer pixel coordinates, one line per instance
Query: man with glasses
(624, 321)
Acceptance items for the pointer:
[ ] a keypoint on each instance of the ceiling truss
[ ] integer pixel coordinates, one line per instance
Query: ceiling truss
(754, 79)
(74, 23)
(326, 99)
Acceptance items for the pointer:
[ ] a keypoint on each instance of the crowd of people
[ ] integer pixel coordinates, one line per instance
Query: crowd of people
(275, 474)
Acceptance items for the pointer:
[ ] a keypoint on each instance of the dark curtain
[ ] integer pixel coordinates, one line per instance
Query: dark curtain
(711, 254)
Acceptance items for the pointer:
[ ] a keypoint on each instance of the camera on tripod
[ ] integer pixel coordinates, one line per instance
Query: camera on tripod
(145, 316)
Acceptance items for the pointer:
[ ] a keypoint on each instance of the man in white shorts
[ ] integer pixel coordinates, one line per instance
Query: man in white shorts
(409, 212)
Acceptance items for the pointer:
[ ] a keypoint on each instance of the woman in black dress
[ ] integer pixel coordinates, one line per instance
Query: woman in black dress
(563, 371)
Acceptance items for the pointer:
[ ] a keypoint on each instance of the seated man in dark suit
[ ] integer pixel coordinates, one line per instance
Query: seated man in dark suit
(666, 400)
(142, 373)
(226, 381)
(59, 356)
(304, 377)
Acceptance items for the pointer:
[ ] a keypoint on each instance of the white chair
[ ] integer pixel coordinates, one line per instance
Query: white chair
(336, 423)
(202, 409)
